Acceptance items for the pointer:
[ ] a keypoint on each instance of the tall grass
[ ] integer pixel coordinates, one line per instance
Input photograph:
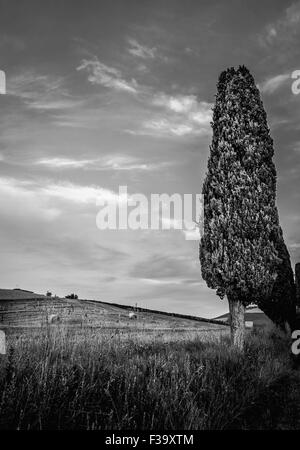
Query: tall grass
(92, 381)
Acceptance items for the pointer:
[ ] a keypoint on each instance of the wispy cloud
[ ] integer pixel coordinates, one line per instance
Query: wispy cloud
(167, 127)
(189, 230)
(180, 115)
(106, 163)
(123, 162)
(186, 105)
(179, 104)
(141, 51)
(175, 269)
(42, 92)
(99, 73)
(285, 28)
(272, 84)
(79, 194)
(64, 163)
(295, 245)
(45, 190)
(18, 198)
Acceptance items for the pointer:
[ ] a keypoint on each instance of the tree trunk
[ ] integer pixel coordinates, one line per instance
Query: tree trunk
(237, 323)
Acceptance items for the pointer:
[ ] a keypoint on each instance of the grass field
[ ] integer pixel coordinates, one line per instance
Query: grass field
(26, 313)
(91, 379)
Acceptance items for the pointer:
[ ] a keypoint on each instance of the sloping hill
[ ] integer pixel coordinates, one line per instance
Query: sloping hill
(252, 314)
(39, 311)
(18, 294)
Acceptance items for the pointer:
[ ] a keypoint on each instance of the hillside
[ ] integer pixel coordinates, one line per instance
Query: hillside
(252, 315)
(40, 311)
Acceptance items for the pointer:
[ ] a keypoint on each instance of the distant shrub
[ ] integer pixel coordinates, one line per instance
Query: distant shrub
(72, 296)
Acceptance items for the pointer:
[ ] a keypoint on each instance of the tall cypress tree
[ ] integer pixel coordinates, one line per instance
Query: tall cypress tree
(239, 247)
(280, 306)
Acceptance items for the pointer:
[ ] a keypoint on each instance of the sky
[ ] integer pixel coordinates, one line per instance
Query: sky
(102, 94)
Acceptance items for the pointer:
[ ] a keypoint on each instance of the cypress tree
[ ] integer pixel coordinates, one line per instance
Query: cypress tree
(241, 233)
(280, 306)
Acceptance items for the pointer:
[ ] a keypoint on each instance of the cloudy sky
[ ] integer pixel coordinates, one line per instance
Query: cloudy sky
(108, 93)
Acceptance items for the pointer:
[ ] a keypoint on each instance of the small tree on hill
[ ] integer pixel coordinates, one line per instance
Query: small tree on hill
(72, 296)
(238, 251)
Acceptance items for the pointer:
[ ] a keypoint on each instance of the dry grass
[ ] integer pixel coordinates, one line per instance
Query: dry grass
(96, 379)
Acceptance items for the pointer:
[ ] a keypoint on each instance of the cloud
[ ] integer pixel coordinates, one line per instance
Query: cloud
(284, 29)
(51, 224)
(295, 245)
(192, 235)
(142, 68)
(80, 194)
(64, 163)
(99, 73)
(46, 190)
(189, 230)
(19, 200)
(179, 104)
(185, 116)
(107, 163)
(175, 269)
(271, 85)
(41, 92)
(141, 51)
(165, 126)
(271, 33)
(123, 162)
(186, 105)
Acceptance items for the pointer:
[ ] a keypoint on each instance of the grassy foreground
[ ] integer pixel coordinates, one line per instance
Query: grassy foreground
(63, 381)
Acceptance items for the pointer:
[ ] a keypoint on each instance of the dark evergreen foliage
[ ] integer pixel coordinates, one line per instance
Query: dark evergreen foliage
(281, 305)
(242, 251)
